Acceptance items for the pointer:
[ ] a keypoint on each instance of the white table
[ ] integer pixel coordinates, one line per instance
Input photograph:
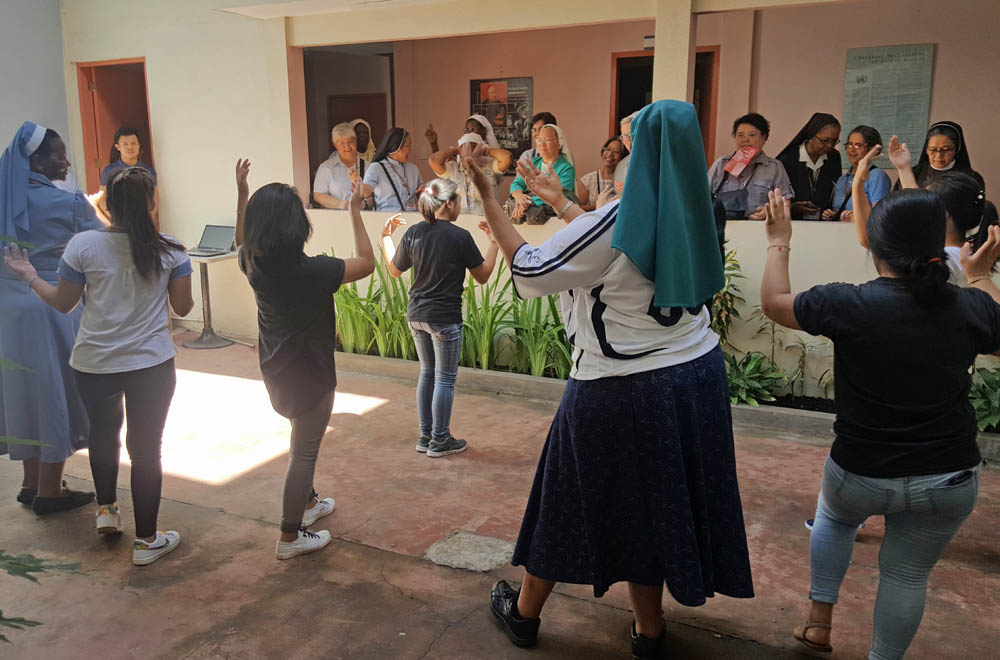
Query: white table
(208, 338)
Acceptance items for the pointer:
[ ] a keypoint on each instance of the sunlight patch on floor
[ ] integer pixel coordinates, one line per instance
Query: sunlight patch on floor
(221, 427)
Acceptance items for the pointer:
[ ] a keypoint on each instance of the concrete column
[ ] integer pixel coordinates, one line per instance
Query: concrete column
(673, 64)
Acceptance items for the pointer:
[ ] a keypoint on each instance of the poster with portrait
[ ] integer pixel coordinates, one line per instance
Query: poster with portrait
(506, 104)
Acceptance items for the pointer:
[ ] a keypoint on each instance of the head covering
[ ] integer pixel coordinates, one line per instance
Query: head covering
(390, 144)
(816, 123)
(491, 138)
(563, 145)
(666, 223)
(14, 168)
(953, 131)
(369, 153)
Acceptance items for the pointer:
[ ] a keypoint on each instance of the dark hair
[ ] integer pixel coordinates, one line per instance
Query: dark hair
(44, 149)
(756, 120)
(952, 131)
(613, 138)
(391, 143)
(130, 195)
(906, 232)
(275, 224)
(547, 117)
(816, 123)
(121, 132)
(966, 204)
(871, 135)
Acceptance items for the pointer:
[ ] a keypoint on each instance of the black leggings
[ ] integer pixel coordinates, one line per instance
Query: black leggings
(147, 394)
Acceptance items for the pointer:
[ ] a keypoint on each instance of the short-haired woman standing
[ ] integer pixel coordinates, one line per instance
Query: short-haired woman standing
(440, 253)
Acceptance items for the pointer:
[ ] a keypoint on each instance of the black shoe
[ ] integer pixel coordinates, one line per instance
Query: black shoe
(648, 648)
(503, 604)
(26, 496)
(70, 499)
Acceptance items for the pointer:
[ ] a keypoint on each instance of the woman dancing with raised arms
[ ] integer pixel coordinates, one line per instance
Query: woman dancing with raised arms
(295, 314)
(906, 432)
(637, 479)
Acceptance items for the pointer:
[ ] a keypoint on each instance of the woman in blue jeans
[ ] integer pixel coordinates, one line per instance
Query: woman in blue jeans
(439, 252)
(906, 433)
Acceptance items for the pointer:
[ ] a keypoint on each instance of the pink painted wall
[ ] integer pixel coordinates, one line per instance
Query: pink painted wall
(801, 52)
(571, 68)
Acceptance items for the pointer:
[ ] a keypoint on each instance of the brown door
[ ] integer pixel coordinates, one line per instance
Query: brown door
(706, 95)
(112, 95)
(345, 108)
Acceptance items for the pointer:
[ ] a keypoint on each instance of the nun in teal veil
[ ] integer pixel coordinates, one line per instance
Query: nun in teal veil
(40, 402)
(637, 479)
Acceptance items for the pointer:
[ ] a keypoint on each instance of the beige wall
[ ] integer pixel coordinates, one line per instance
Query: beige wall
(217, 89)
(802, 50)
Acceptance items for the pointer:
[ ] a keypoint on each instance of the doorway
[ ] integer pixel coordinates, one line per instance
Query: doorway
(112, 94)
(347, 107)
(631, 84)
(706, 95)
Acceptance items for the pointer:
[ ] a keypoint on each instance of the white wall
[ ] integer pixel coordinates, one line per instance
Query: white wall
(31, 67)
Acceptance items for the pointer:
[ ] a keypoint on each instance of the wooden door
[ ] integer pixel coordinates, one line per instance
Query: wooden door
(706, 95)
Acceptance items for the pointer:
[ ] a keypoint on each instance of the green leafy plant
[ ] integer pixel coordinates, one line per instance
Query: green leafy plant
(486, 314)
(725, 303)
(768, 328)
(753, 378)
(354, 330)
(798, 377)
(540, 346)
(387, 316)
(985, 398)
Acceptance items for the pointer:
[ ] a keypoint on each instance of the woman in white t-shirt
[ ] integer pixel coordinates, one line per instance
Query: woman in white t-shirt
(124, 353)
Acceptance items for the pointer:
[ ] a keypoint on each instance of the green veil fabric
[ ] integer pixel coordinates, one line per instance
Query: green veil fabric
(665, 222)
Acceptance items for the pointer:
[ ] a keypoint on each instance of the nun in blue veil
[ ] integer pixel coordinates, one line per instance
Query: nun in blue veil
(637, 478)
(39, 402)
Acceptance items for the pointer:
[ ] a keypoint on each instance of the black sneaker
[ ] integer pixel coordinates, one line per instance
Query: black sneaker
(26, 496)
(70, 499)
(648, 648)
(422, 443)
(450, 445)
(503, 604)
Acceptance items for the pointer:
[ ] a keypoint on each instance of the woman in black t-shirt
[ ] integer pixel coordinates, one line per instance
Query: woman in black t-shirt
(295, 314)
(439, 252)
(905, 441)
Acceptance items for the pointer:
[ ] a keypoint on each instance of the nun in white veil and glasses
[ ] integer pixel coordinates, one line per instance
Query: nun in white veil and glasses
(40, 403)
(554, 158)
(637, 478)
(479, 138)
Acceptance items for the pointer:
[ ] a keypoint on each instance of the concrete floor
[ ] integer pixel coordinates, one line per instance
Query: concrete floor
(372, 594)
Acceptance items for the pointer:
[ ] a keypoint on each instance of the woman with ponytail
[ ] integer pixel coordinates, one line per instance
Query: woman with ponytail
(905, 443)
(124, 354)
(969, 214)
(439, 252)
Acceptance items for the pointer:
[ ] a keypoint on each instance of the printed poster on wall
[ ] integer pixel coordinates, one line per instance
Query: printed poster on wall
(889, 88)
(506, 104)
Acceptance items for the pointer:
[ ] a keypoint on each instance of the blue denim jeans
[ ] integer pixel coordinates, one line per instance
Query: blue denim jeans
(439, 348)
(922, 514)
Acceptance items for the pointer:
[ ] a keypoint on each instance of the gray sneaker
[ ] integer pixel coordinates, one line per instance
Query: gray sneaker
(422, 443)
(450, 445)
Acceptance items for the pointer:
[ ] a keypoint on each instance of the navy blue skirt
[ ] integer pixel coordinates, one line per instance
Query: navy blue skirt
(637, 482)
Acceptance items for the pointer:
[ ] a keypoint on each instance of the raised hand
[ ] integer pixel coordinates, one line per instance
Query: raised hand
(864, 165)
(17, 261)
(979, 264)
(242, 170)
(777, 219)
(546, 186)
(391, 224)
(479, 178)
(899, 154)
(486, 230)
(432, 137)
(357, 195)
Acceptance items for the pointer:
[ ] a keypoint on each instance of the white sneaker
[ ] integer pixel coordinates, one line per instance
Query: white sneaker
(324, 507)
(307, 542)
(109, 521)
(146, 553)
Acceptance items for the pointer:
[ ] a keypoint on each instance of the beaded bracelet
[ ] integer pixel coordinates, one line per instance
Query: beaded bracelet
(569, 203)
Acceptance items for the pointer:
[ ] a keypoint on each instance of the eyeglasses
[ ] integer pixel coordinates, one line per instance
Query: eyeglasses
(855, 145)
(942, 151)
(746, 136)
(827, 142)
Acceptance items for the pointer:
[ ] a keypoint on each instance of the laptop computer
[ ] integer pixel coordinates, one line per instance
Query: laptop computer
(215, 240)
